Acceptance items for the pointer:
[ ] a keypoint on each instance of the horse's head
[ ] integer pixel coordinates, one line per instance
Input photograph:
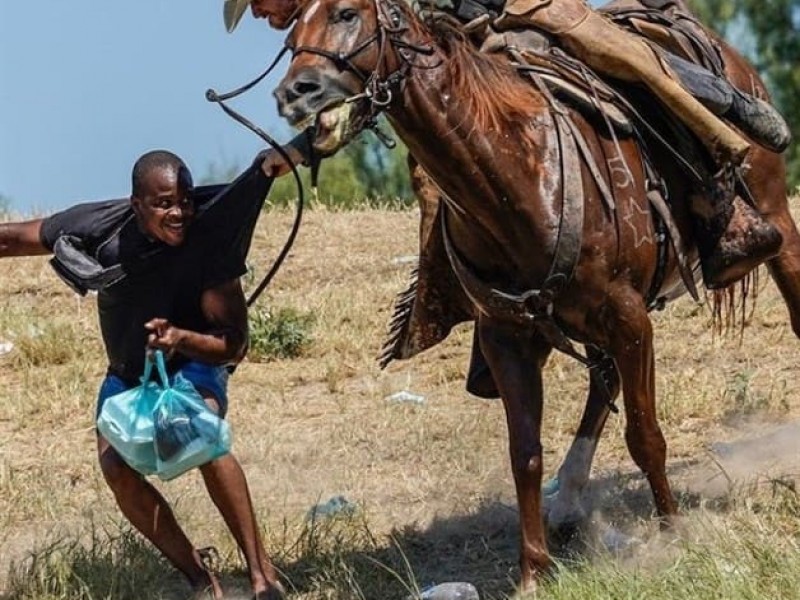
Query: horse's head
(342, 57)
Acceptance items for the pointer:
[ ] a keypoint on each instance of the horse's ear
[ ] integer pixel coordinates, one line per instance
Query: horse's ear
(390, 15)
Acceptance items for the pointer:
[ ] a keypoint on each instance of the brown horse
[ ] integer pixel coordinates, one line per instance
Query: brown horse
(515, 203)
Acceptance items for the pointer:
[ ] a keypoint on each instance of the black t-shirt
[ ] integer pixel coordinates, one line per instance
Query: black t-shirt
(161, 281)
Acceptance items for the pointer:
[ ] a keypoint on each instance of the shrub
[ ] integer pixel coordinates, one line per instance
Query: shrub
(283, 333)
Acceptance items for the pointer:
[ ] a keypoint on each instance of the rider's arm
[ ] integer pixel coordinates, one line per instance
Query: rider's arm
(22, 239)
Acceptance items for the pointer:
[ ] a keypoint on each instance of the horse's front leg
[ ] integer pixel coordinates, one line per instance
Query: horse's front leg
(631, 345)
(516, 357)
(565, 507)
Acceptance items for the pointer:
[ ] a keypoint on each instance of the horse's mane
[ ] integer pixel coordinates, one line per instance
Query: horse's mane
(492, 90)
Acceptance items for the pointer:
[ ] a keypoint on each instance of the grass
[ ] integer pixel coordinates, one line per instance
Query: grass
(283, 333)
(431, 481)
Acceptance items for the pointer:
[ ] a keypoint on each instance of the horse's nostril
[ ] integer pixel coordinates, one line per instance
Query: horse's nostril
(301, 88)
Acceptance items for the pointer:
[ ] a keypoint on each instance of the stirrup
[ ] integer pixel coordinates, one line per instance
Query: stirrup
(747, 242)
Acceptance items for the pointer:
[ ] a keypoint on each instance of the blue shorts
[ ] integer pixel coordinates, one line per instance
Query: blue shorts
(207, 378)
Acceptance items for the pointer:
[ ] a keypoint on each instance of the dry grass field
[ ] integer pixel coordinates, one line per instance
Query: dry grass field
(429, 483)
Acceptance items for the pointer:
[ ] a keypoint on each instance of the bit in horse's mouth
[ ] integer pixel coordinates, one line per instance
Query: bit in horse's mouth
(331, 127)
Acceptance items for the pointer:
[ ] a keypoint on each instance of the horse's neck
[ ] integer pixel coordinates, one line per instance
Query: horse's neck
(440, 136)
(491, 176)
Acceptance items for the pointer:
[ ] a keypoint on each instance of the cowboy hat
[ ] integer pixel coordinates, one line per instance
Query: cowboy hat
(232, 12)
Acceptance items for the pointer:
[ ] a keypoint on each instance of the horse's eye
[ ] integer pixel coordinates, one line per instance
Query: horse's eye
(348, 15)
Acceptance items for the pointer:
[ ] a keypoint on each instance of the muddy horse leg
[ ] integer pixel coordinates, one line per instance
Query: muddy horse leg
(631, 345)
(573, 475)
(516, 359)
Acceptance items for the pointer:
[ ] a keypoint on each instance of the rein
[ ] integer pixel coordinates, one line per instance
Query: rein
(220, 99)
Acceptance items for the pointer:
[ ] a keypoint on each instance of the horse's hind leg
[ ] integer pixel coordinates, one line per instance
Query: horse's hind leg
(573, 475)
(785, 267)
(516, 359)
(785, 271)
(766, 180)
(631, 345)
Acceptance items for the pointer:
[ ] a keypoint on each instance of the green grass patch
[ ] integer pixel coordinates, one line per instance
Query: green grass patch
(279, 333)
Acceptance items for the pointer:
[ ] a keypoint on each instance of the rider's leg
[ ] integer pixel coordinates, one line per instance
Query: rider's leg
(613, 51)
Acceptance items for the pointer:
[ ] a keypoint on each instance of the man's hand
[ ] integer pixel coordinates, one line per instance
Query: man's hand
(164, 336)
(274, 165)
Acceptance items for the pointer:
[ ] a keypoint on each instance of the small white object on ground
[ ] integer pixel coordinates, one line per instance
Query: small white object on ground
(452, 590)
(406, 396)
(6, 347)
(405, 260)
(336, 506)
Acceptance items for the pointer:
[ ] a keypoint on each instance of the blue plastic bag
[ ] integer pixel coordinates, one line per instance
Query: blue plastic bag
(187, 433)
(161, 428)
(126, 420)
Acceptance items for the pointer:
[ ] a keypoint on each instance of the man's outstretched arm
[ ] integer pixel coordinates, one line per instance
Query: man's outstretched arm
(22, 239)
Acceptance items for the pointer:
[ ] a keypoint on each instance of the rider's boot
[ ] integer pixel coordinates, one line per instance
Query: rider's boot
(732, 238)
(759, 121)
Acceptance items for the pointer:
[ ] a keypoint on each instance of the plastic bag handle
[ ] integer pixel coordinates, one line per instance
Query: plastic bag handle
(161, 367)
(148, 368)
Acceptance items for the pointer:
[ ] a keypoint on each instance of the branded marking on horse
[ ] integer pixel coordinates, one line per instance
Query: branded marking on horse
(634, 208)
(620, 174)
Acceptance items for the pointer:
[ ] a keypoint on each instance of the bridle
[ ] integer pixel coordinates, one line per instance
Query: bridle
(379, 91)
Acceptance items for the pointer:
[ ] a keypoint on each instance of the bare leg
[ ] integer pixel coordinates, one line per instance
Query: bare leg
(516, 361)
(227, 487)
(150, 514)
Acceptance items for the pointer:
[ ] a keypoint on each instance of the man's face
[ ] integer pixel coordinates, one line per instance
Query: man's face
(165, 211)
(278, 12)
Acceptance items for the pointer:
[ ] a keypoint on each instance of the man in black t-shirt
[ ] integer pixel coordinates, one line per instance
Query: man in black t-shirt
(178, 291)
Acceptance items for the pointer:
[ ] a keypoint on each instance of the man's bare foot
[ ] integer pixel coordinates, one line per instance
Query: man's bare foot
(274, 592)
(206, 586)
(208, 592)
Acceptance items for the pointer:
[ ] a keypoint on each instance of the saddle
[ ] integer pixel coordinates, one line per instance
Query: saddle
(434, 301)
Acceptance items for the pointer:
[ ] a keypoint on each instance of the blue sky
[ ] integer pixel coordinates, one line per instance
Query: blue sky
(87, 86)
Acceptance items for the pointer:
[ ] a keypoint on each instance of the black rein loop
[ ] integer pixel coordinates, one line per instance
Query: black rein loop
(213, 96)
